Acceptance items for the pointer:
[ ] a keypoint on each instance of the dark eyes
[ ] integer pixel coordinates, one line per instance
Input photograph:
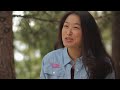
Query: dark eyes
(66, 26)
(76, 27)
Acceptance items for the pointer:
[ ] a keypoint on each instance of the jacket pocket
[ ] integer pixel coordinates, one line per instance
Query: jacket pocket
(54, 73)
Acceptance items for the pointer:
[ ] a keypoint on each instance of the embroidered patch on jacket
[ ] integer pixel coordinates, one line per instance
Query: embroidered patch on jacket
(55, 65)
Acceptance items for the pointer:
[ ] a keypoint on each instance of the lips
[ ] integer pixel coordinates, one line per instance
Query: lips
(68, 39)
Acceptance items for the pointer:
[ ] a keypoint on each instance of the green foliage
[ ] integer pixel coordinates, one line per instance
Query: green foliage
(37, 34)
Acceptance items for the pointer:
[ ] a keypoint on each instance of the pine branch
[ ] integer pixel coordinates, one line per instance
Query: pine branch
(52, 20)
(31, 17)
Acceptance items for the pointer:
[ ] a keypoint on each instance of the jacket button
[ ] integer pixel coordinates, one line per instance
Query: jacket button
(53, 72)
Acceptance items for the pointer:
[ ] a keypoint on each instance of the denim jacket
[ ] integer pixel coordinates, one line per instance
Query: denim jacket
(57, 65)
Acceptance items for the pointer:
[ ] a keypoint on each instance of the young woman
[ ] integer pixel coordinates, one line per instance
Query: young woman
(80, 53)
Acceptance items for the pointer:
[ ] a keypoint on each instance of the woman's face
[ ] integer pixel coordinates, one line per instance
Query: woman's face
(71, 32)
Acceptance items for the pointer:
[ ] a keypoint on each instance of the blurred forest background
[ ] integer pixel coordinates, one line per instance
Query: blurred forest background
(35, 35)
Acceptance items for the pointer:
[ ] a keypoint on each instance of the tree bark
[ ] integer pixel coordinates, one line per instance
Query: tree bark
(116, 42)
(7, 68)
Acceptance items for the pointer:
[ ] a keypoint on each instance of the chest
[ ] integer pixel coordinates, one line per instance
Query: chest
(57, 71)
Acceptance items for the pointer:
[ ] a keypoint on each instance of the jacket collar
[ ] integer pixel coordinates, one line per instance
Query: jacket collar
(67, 58)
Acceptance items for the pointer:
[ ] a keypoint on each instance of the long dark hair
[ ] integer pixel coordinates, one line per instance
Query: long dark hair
(96, 60)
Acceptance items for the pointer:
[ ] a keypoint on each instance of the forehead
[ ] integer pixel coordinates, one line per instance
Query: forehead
(73, 18)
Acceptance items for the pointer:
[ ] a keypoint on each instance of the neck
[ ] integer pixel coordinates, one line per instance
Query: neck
(74, 53)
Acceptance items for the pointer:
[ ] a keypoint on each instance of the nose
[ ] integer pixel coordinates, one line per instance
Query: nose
(69, 31)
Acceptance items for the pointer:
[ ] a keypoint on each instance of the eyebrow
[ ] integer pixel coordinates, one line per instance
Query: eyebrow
(74, 23)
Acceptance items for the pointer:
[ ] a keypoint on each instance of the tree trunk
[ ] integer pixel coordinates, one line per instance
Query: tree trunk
(116, 42)
(7, 68)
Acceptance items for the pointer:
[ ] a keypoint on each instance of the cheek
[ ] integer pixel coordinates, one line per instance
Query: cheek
(78, 37)
(63, 33)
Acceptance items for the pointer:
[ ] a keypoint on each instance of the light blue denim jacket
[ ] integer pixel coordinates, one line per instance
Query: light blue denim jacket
(57, 65)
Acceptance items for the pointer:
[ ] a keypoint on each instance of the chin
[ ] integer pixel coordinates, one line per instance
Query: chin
(69, 46)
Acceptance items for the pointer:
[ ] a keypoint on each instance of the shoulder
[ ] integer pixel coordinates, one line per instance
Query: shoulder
(53, 56)
(111, 75)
